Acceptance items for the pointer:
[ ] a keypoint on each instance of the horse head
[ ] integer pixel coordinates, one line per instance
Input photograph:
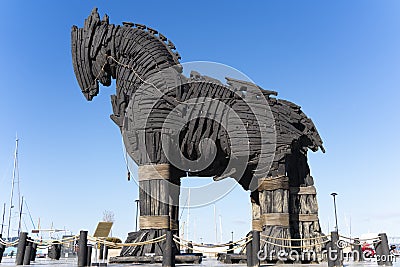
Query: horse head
(90, 54)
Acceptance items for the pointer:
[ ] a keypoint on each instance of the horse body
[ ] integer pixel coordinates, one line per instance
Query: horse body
(236, 130)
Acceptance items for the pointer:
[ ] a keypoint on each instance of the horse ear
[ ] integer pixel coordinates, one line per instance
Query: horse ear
(105, 19)
(94, 11)
(94, 15)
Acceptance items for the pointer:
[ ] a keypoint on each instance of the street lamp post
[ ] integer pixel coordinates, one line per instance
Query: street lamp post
(334, 205)
(137, 212)
(232, 235)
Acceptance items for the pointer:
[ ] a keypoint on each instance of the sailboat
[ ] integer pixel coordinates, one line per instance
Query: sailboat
(15, 185)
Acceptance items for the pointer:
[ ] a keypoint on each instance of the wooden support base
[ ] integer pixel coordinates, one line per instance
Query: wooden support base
(142, 236)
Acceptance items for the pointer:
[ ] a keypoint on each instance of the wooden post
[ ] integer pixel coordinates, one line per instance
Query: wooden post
(89, 255)
(19, 259)
(83, 251)
(304, 222)
(335, 254)
(382, 250)
(274, 202)
(101, 252)
(189, 249)
(231, 250)
(33, 252)
(105, 254)
(55, 251)
(27, 254)
(249, 251)
(358, 255)
(255, 247)
(168, 253)
(256, 222)
(2, 248)
(58, 251)
(159, 189)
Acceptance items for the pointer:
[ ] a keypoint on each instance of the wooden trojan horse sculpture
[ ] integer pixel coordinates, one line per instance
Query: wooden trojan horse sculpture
(174, 126)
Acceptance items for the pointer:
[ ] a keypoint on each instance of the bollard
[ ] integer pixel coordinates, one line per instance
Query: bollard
(249, 251)
(168, 253)
(52, 252)
(231, 250)
(378, 251)
(2, 248)
(383, 256)
(255, 246)
(58, 251)
(89, 255)
(19, 259)
(189, 249)
(105, 253)
(33, 252)
(55, 252)
(27, 255)
(357, 251)
(101, 250)
(83, 252)
(335, 254)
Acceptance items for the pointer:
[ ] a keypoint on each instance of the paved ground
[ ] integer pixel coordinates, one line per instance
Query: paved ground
(206, 262)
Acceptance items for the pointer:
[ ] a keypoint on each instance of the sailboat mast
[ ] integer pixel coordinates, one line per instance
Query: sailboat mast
(188, 216)
(2, 222)
(220, 227)
(20, 215)
(215, 224)
(12, 187)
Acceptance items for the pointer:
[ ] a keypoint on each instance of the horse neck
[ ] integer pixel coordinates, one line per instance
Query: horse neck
(139, 54)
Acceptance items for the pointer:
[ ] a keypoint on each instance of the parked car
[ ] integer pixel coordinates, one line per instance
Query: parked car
(368, 250)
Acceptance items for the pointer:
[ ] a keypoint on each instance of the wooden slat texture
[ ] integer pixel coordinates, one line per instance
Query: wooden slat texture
(154, 172)
(257, 225)
(306, 190)
(275, 219)
(154, 222)
(271, 184)
(303, 217)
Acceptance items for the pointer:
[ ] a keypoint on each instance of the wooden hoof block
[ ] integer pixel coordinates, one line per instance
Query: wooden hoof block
(142, 236)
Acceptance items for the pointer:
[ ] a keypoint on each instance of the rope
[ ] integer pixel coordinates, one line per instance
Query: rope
(8, 244)
(360, 240)
(294, 239)
(146, 82)
(211, 246)
(119, 245)
(65, 241)
(50, 242)
(225, 250)
(289, 246)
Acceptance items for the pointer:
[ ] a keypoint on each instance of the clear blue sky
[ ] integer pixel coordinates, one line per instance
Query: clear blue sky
(339, 60)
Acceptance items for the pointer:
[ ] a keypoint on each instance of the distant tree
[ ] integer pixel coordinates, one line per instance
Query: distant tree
(108, 216)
